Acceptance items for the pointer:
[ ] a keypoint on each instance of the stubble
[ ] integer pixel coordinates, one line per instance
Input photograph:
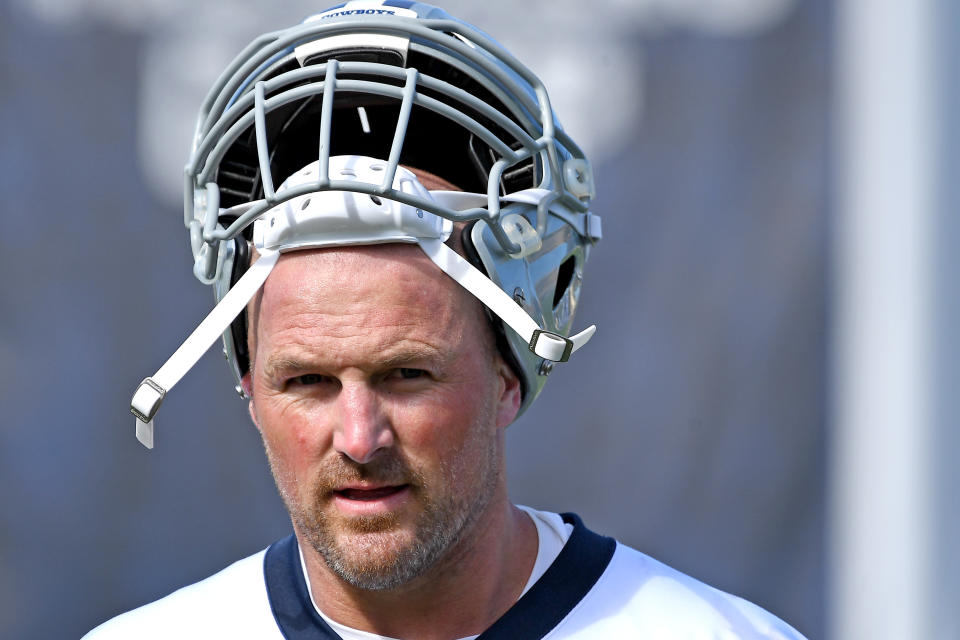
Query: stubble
(375, 552)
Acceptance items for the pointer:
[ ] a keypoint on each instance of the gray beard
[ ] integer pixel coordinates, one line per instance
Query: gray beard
(368, 568)
(364, 562)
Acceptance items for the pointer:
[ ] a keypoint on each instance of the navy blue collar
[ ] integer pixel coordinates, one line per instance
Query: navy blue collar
(578, 567)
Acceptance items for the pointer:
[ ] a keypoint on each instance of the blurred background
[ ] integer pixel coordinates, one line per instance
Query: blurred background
(768, 404)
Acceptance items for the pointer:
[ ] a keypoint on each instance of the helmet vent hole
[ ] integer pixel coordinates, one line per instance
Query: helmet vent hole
(348, 173)
(564, 276)
(306, 203)
(377, 201)
(376, 167)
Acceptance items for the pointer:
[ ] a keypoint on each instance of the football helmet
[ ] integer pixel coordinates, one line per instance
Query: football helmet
(336, 111)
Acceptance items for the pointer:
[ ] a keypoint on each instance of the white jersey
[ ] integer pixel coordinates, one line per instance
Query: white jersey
(595, 588)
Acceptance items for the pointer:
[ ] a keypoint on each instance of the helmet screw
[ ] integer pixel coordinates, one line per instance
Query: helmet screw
(519, 296)
(546, 367)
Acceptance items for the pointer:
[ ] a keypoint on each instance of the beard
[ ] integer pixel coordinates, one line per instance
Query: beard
(375, 552)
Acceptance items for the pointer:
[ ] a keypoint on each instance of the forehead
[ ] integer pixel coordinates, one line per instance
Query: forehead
(392, 290)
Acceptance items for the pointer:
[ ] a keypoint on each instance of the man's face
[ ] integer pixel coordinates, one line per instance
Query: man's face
(381, 402)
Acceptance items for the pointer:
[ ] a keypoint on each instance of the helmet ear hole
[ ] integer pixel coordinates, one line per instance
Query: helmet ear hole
(564, 276)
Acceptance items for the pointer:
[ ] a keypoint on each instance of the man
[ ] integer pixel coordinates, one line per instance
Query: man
(408, 287)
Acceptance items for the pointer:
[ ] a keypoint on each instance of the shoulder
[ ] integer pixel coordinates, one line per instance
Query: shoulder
(638, 597)
(227, 603)
(661, 596)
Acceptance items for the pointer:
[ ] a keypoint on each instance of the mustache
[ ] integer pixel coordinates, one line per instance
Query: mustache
(388, 468)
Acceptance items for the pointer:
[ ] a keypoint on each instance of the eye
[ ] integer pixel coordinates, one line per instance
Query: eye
(407, 373)
(308, 379)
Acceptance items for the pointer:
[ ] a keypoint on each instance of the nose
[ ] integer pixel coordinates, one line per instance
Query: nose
(363, 428)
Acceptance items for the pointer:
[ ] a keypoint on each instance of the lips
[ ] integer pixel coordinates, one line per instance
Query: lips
(366, 495)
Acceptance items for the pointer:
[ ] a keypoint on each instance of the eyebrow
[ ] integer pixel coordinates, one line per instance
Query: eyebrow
(275, 365)
(408, 355)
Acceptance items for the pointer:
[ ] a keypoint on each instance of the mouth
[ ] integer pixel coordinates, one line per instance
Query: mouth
(369, 494)
(371, 501)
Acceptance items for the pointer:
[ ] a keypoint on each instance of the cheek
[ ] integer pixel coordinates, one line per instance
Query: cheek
(441, 435)
(295, 437)
(442, 414)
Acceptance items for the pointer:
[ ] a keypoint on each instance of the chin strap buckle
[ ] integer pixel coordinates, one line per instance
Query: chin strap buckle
(146, 400)
(144, 405)
(553, 347)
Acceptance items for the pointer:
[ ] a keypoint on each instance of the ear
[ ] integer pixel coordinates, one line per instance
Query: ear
(246, 382)
(508, 404)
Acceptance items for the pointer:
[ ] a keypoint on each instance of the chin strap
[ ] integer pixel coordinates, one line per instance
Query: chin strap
(545, 344)
(148, 396)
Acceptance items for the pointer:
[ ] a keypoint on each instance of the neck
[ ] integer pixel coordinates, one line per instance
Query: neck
(473, 584)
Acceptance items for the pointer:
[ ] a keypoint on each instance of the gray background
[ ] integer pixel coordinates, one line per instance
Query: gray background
(692, 427)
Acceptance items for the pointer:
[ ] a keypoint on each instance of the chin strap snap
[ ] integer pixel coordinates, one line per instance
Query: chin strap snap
(545, 344)
(149, 395)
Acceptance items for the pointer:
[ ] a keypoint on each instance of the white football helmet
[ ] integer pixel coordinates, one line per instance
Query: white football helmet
(333, 111)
